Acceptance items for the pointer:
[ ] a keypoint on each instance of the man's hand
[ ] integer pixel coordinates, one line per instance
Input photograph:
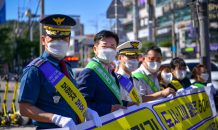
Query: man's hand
(117, 107)
(132, 103)
(168, 91)
(64, 122)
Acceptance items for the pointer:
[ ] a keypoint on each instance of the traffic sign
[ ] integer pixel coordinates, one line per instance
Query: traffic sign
(122, 13)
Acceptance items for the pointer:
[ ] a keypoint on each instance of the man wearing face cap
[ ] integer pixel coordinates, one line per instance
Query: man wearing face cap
(146, 73)
(129, 59)
(98, 82)
(48, 92)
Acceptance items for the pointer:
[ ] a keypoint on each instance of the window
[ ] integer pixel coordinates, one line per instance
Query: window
(128, 27)
(188, 39)
(159, 39)
(129, 8)
(213, 35)
(182, 14)
(142, 6)
(192, 65)
(143, 23)
(164, 20)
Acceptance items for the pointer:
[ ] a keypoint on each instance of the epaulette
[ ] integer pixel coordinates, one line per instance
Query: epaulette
(38, 62)
(119, 76)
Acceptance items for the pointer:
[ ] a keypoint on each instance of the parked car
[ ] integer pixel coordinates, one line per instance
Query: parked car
(76, 72)
(191, 63)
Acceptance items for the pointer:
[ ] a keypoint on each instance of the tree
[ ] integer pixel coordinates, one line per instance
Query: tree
(92, 54)
(165, 43)
(146, 45)
(5, 46)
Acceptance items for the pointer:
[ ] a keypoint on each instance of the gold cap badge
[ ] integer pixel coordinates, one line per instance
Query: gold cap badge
(134, 44)
(58, 20)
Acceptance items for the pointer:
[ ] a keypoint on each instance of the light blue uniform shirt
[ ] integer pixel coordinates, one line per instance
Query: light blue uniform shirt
(36, 90)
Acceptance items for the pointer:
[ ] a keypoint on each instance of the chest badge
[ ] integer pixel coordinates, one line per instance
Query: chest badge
(56, 99)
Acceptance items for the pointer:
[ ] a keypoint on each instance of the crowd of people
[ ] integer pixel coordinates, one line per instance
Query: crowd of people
(53, 98)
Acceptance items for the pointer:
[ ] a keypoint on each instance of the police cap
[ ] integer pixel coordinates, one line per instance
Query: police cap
(130, 48)
(58, 25)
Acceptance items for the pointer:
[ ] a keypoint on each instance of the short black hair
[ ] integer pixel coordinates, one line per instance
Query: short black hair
(104, 34)
(177, 62)
(154, 48)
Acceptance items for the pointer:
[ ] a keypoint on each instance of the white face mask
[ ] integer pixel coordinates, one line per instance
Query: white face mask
(167, 77)
(132, 64)
(180, 74)
(57, 48)
(205, 77)
(153, 66)
(107, 55)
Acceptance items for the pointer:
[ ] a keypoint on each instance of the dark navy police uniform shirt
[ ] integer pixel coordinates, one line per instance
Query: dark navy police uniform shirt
(97, 94)
(33, 90)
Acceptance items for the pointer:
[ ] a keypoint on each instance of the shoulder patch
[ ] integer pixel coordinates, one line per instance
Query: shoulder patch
(38, 62)
(119, 76)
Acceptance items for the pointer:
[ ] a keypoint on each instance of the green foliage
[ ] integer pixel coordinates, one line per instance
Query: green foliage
(25, 27)
(146, 45)
(27, 49)
(165, 43)
(92, 54)
(5, 46)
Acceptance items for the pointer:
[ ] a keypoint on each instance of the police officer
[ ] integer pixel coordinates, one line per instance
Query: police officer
(98, 82)
(48, 91)
(146, 73)
(129, 60)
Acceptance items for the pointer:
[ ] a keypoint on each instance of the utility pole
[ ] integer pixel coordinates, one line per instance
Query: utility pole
(135, 19)
(30, 26)
(154, 22)
(116, 17)
(42, 48)
(150, 21)
(202, 11)
(18, 22)
(173, 30)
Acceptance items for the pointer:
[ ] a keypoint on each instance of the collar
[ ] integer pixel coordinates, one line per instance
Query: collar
(51, 59)
(145, 70)
(200, 83)
(162, 85)
(122, 72)
(108, 69)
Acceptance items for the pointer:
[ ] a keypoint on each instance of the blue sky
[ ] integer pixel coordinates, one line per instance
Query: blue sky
(89, 11)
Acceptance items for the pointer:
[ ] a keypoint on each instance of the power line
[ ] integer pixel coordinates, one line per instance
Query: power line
(34, 19)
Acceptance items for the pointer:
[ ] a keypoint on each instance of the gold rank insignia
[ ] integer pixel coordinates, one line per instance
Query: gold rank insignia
(59, 20)
(134, 44)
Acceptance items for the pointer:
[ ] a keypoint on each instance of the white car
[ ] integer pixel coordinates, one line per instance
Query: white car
(191, 63)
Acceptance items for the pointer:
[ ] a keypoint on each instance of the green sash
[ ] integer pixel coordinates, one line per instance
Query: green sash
(104, 75)
(147, 80)
(199, 85)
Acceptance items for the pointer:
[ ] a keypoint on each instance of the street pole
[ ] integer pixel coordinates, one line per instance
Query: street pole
(18, 23)
(150, 22)
(30, 26)
(202, 10)
(135, 19)
(154, 22)
(42, 48)
(173, 31)
(116, 16)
